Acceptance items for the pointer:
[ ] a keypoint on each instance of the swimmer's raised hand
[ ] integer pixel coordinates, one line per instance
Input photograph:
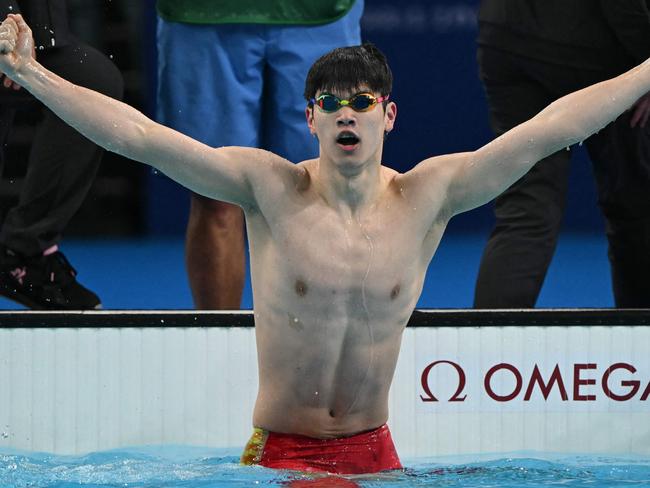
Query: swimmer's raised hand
(16, 48)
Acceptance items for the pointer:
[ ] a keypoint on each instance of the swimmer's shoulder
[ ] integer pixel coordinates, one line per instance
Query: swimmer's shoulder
(433, 167)
(389, 174)
(304, 174)
(392, 178)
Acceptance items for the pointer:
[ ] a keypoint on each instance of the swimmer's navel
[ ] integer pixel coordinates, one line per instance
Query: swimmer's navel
(394, 293)
(300, 288)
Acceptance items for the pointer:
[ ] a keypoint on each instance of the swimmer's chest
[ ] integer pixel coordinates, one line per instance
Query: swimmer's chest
(321, 255)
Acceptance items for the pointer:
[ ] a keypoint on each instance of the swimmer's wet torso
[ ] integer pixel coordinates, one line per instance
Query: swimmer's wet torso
(333, 290)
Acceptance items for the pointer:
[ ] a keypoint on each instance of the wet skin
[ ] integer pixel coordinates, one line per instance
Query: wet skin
(335, 280)
(332, 296)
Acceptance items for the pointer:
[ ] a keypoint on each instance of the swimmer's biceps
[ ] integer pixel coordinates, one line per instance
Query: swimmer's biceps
(240, 174)
(480, 176)
(219, 173)
(250, 177)
(428, 185)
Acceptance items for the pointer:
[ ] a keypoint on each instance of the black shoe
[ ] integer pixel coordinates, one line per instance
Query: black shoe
(43, 282)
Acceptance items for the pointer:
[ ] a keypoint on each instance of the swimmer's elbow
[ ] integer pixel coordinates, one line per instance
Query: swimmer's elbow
(141, 132)
(565, 124)
(136, 140)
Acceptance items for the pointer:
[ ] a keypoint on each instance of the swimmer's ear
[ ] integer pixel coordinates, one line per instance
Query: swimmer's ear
(389, 117)
(309, 114)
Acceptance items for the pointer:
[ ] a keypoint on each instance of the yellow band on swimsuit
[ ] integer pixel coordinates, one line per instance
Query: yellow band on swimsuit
(255, 447)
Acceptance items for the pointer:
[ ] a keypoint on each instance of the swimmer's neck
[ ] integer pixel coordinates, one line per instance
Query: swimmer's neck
(348, 189)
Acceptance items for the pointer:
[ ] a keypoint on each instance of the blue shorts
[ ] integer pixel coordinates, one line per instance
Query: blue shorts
(243, 84)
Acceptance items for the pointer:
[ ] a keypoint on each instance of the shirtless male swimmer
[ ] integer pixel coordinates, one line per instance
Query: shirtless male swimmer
(339, 245)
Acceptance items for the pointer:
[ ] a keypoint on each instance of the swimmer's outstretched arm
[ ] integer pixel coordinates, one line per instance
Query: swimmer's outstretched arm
(468, 180)
(223, 173)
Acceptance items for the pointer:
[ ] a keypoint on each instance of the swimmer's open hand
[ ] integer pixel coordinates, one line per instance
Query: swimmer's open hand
(16, 48)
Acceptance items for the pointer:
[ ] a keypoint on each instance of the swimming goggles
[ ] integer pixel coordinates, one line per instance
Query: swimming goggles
(361, 102)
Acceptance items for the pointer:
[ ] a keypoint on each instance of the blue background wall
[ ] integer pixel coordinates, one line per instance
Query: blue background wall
(431, 47)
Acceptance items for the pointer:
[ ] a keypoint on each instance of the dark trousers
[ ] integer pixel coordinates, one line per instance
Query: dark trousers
(529, 213)
(62, 163)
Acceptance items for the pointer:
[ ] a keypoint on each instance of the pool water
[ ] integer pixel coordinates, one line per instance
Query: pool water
(190, 467)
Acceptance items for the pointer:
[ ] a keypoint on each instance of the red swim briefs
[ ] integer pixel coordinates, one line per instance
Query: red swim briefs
(368, 452)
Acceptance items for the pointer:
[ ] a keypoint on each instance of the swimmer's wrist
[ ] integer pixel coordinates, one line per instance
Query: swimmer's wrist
(31, 75)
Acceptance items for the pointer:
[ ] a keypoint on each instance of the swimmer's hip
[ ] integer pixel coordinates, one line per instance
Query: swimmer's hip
(367, 452)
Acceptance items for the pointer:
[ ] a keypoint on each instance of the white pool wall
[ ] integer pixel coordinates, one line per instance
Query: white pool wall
(78, 390)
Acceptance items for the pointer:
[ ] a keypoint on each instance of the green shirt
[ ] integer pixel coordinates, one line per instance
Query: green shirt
(303, 12)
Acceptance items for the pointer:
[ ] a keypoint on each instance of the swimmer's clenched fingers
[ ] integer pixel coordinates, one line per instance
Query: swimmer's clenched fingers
(14, 25)
(6, 31)
(21, 25)
(16, 44)
(7, 45)
(9, 24)
(9, 27)
(8, 35)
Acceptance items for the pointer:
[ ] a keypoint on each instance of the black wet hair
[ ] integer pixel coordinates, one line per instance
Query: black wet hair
(349, 68)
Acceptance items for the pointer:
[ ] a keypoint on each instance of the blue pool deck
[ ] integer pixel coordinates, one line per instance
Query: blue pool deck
(149, 273)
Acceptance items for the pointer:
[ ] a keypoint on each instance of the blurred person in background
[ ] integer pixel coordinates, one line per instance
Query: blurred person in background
(530, 53)
(230, 73)
(61, 168)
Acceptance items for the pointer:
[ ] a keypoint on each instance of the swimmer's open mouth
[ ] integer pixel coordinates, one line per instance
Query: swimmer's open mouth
(347, 138)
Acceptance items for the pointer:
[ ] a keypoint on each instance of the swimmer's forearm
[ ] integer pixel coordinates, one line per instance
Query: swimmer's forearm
(573, 118)
(108, 122)
(487, 172)
(216, 173)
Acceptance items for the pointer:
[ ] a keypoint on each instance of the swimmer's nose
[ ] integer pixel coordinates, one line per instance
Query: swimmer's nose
(346, 118)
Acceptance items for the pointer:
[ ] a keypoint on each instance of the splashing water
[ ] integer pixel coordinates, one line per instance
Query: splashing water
(193, 467)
